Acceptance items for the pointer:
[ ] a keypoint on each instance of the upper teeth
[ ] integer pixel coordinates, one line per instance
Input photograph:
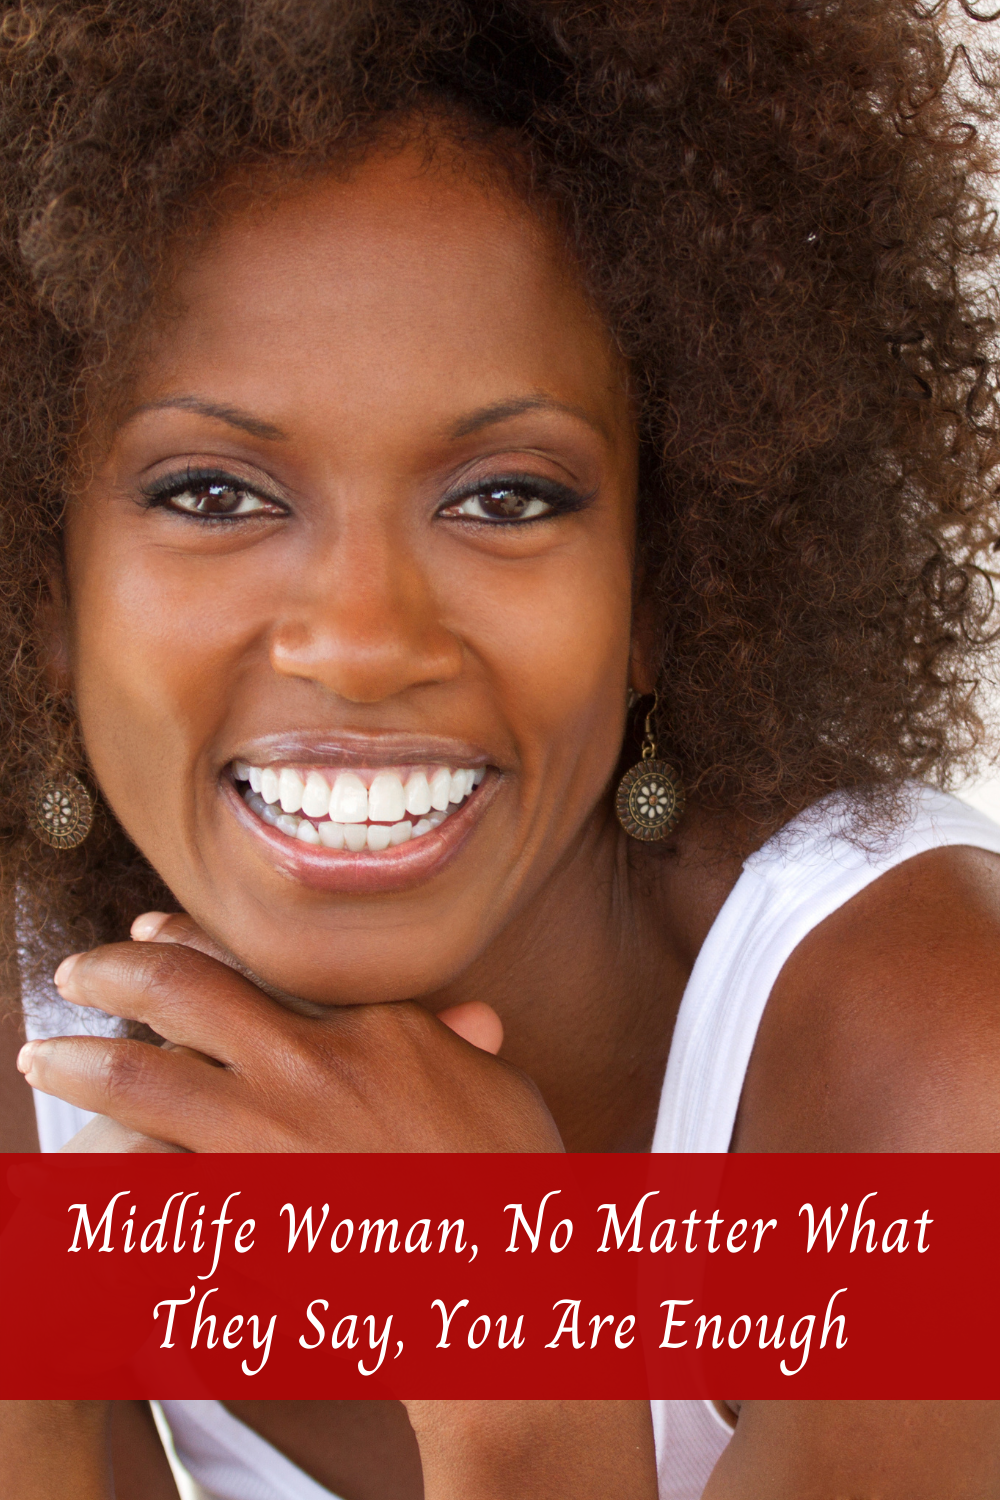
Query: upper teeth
(348, 797)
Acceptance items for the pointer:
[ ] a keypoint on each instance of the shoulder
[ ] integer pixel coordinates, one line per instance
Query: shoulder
(882, 1032)
(898, 1450)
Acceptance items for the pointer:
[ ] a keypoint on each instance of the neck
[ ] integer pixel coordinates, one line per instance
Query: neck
(588, 978)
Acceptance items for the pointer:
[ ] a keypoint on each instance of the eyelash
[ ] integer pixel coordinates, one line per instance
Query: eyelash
(560, 498)
(162, 492)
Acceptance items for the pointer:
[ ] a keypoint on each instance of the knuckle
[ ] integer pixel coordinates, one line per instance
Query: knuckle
(413, 1019)
(160, 972)
(398, 1020)
(122, 1069)
(302, 1055)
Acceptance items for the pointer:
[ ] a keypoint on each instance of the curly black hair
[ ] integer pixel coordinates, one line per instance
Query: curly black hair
(782, 209)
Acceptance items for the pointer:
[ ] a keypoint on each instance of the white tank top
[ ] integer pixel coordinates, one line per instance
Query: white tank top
(785, 890)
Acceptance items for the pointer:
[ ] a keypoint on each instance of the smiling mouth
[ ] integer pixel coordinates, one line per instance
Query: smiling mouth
(357, 810)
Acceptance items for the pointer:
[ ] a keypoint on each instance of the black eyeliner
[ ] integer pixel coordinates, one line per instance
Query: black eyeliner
(563, 499)
(159, 492)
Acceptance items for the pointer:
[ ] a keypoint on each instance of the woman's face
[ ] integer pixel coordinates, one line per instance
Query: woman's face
(367, 526)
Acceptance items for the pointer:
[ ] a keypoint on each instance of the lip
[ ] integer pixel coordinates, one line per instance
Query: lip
(346, 750)
(393, 869)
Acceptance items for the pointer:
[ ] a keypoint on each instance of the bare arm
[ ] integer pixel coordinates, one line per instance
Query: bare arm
(892, 1450)
(138, 1462)
(550, 1450)
(82, 1450)
(53, 1449)
(882, 1034)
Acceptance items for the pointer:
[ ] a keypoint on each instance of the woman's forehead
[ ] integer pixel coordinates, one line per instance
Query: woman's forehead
(405, 281)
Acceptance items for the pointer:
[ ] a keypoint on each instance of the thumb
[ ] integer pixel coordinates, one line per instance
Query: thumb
(475, 1022)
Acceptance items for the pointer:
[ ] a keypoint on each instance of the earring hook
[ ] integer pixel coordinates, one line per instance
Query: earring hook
(649, 743)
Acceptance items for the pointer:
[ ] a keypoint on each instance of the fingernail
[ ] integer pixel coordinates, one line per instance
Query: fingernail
(25, 1056)
(147, 927)
(65, 969)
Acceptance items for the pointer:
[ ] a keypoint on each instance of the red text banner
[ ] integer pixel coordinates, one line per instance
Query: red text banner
(534, 1277)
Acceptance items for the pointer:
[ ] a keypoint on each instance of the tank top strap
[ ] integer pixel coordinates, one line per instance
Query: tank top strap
(225, 1460)
(799, 878)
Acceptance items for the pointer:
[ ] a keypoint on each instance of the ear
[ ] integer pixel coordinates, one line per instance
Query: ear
(53, 629)
(643, 662)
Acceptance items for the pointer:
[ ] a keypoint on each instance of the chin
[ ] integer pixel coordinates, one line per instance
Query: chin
(354, 968)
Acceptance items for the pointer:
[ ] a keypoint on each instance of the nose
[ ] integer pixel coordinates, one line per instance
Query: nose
(365, 623)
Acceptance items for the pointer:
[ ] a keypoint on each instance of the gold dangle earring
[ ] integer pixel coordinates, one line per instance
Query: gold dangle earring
(650, 798)
(61, 811)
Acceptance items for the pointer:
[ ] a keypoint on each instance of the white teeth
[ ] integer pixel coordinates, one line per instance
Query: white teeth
(349, 800)
(386, 801)
(418, 794)
(342, 815)
(316, 796)
(440, 789)
(290, 790)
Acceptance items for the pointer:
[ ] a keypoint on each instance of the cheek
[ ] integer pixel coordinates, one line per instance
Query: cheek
(555, 636)
(150, 650)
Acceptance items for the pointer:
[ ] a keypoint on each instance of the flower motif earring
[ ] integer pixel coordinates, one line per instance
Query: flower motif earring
(62, 810)
(650, 798)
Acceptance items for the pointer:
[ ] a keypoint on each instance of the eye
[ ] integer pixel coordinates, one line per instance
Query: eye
(210, 497)
(501, 505)
(219, 500)
(512, 500)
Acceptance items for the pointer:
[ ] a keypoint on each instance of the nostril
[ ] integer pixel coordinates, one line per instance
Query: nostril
(367, 664)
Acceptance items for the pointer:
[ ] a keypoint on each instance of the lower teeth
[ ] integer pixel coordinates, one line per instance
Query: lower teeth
(352, 836)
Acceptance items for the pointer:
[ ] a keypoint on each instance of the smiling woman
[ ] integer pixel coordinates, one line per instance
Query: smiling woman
(396, 395)
(356, 507)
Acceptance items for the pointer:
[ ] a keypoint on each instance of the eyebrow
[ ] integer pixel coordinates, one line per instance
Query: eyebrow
(504, 411)
(487, 416)
(231, 415)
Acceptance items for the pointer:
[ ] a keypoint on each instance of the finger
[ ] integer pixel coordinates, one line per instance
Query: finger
(107, 1137)
(161, 1094)
(475, 1022)
(183, 995)
(177, 927)
(190, 1052)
